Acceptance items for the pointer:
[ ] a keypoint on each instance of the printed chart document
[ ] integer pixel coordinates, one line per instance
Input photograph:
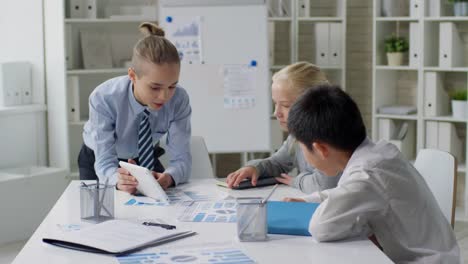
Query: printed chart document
(215, 212)
(199, 256)
(116, 237)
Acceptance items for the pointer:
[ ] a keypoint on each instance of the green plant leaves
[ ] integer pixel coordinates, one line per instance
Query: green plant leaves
(396, 44)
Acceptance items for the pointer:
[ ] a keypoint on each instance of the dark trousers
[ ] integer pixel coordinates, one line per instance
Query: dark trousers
(86, 161)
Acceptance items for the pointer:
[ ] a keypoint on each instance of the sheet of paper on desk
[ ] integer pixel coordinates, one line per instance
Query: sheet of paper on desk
(176, 196)
(218, 212)
(208, 256)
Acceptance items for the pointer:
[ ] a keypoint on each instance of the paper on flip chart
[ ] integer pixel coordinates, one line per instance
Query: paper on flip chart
(239, 86)
(185, 33)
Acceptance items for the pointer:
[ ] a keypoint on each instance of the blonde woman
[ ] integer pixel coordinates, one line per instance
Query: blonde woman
(288, 84)
(129, 114)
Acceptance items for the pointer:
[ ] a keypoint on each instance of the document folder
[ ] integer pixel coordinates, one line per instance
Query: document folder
(289, 218)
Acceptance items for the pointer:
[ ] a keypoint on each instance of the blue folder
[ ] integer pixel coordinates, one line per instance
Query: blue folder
(289, 218)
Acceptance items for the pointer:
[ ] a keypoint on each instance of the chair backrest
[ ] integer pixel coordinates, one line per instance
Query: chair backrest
(201, 163)
(439, 169)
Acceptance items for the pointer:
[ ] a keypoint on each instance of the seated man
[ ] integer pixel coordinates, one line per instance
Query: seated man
(378, 191)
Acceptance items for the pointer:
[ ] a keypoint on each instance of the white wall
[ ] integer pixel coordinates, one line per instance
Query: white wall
(23, 136)
(21, 27)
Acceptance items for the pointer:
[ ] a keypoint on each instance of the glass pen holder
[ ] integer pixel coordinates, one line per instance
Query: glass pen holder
(251, 219)
(96, 203)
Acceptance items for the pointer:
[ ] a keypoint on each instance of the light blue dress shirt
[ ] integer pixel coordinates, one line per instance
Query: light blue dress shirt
(112, 129)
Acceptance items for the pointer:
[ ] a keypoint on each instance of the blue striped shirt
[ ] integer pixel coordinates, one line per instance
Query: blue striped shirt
(112, 129)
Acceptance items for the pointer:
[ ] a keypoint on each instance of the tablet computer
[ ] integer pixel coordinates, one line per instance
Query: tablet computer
(247, 184)
(147, 184)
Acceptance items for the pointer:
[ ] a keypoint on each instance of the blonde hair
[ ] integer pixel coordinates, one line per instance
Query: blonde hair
(301, 76)
(153, 48)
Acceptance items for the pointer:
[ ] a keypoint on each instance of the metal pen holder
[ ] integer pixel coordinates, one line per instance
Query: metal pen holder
(251, 219)
(96, 202)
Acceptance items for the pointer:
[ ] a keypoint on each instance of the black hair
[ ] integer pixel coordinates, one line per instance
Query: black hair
(327, 114)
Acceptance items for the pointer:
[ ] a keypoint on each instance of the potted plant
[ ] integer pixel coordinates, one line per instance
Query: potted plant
(395, 47)
(460, 7)
(459, 104)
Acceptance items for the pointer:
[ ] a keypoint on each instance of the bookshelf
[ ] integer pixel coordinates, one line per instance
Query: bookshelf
(434, 66)
(309, 30)
(70, 73)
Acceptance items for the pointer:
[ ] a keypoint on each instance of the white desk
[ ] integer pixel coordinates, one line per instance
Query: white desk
(278, 249)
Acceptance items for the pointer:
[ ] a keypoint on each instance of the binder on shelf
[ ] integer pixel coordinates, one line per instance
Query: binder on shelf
(451, 51)
(77, 8)
(15, 83)
(448, 139)
(322, 47)
(414, 45)
(96, 49)
(416, 8)
(272, 8)
(436, 8)
(73, 87)
(284, 8)
(69, 59)
(271, 42)
(90, 9)
(404, 139)
(432, 134)
(335, 42)
(304, 8)
(386, 129)
(436, 99)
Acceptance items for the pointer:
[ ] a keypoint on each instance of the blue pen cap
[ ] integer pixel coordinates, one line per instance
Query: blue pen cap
(169, 19)
(253, 63)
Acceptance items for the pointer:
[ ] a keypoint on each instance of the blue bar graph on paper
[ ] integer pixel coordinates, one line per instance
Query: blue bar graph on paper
(207, 256)
(199, 217)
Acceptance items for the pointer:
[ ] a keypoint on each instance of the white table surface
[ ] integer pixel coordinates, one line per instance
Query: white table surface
(278, 249)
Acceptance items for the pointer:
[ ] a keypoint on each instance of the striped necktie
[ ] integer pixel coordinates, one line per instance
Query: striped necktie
(145, 143)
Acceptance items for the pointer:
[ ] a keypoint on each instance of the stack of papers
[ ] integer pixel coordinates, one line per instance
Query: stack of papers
(116, 237)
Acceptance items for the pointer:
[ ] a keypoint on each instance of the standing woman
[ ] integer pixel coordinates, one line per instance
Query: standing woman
(129, 114)
(288, 84)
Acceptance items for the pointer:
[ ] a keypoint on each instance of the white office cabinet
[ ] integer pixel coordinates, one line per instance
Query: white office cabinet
(334, 41)
(414, 44)
(322, 38)
(436, 100)
(451, 51)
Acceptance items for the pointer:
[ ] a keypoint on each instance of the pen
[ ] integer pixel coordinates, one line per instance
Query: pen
(269, 195)
(165, 226)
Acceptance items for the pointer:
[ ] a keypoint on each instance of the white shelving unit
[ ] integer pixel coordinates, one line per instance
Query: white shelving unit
(424, 82)
(70, 76)
(309, 30)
